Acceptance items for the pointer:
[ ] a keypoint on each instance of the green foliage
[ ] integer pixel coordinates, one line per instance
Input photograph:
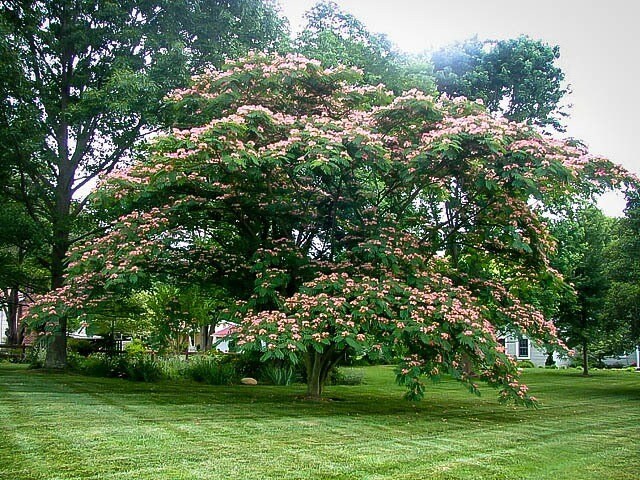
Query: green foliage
(520, 72)
(623, 269)
(338, 38)
(346, 376)
(137, 365)
(36, 355)
(84, 84)
(82, 347)
(278, 374)
(135, 348)
(582, 243)
(526, 364)
(340, 220)
(173, 313)
(139, 368)
(210, 370)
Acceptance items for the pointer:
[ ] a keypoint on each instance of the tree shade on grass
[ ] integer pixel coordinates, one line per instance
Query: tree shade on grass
(70, 427)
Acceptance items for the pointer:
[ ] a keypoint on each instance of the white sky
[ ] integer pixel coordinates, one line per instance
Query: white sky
(599, 53)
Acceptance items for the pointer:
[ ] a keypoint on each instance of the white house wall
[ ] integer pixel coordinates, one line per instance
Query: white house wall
(3, 326)
(536, 355)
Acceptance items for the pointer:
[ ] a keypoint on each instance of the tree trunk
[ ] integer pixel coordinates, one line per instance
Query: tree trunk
(319, 366)
(61, 221)
(13, 318)
(57, 347)
(585, 362)
(315, 383)
(205, 333)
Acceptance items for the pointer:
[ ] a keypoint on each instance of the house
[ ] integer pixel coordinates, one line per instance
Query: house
(205, 339)
(523, 348)
(626, 359)
(220, 334)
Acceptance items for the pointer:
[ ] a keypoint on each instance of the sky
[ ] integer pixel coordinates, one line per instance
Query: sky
(599, 54)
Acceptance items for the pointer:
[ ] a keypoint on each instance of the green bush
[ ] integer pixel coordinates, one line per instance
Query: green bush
(82, 347)
(173, 368)
(75, 360)
(135, 348)
(36, 355)
(245, 364)
(341, 376)
(278, 374)
(210, 369)
(101, 365)
(141, 368)
(526, 364)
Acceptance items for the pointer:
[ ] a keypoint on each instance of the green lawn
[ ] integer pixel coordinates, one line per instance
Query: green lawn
(58, 426)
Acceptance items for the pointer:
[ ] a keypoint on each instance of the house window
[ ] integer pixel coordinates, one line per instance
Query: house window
(523, 348)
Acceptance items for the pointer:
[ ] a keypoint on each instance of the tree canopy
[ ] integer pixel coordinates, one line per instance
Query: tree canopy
(518, 77)
(341, 217)
(83, 82)
(335, 38)
(623, 270)
(583, 239)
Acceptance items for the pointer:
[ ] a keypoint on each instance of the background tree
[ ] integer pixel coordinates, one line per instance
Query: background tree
(338, 38)
(323, 207)
(21, 274)
(173, 314)
(87, 80)
(582, 243)
(623, 269)
(517, 77)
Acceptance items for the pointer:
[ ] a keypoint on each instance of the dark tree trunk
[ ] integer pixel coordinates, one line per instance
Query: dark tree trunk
(319, 366)
(57, 348)
(315, 385)
(205, 333)
(14, 334)
(62, 218)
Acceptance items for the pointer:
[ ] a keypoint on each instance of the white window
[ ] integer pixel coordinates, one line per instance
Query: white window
(523, 348)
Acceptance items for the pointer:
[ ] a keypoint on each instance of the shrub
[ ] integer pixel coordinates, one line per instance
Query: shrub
(245, 364)
(211, 370)
(75, 360)
(526, 364)
(82, 347)
(341, 376)
(36, 355)
(101, 365)
(141, 368)
(135, 348)
(173, 368)
(278, 374)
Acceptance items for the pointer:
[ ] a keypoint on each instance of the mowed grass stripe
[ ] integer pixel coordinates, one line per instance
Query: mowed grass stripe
(68, 427)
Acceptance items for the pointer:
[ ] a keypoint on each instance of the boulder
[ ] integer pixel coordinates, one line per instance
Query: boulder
(248, 381)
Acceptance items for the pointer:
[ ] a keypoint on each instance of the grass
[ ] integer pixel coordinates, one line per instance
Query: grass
(60, 426)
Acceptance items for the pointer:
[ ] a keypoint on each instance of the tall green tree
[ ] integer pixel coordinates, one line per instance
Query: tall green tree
(21, 272)
(336, 37)
(518, 77)
(623, 269)
(87, 79)
(582, 243)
